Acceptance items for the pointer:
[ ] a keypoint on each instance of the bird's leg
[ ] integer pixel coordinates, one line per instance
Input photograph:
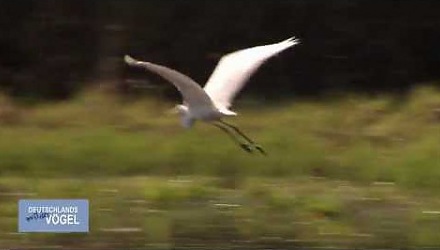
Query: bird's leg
(237, 130)
(244, 146)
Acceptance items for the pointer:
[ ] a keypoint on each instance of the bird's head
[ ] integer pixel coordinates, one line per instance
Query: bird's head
(179, 109)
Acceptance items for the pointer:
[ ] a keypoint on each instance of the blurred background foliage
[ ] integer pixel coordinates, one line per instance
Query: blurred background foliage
(52, 49)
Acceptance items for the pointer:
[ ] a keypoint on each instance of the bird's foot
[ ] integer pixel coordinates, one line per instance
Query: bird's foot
(260, 149)
(246, 147)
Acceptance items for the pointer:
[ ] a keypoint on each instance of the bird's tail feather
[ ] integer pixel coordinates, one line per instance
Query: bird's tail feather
(227, 112)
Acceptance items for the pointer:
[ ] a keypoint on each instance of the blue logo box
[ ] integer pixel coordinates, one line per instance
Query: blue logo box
(55, 216)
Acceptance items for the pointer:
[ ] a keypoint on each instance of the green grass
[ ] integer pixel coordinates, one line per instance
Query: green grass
(356, 138)
(349, 171)
(165, 212)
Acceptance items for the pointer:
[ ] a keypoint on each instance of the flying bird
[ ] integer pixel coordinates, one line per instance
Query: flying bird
(211, 103)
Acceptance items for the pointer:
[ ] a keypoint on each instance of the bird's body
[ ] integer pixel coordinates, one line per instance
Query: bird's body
(212, 102)
(202, 113)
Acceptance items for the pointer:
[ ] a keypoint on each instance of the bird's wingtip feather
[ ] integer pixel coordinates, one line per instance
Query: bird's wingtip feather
(129, 60)
(292, 40)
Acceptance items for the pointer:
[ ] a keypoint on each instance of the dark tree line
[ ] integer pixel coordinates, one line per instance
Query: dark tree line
(53, 48)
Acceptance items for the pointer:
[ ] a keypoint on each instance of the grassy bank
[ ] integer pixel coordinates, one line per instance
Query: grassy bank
(344, 172)
(361, 139)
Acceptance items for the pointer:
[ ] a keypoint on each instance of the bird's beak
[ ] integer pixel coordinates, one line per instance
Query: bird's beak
(173, 111)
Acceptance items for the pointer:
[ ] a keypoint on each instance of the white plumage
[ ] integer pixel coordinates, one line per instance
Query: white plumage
(212, 102)
(234, 69)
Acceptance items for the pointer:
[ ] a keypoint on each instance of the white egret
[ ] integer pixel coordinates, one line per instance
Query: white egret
(212, 102)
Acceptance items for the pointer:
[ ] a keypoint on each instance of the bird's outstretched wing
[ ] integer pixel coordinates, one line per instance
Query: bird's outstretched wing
(193, 95)
(234, 69)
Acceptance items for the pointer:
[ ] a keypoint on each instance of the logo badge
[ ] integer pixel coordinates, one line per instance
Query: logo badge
(55, 216)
